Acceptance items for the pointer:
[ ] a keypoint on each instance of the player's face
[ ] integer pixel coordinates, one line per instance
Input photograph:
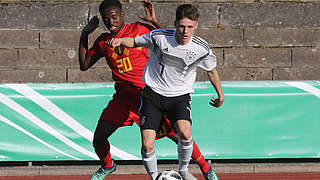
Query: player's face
(185, 29)
(113, 19)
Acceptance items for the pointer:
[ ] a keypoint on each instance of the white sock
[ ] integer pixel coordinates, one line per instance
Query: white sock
(150, 163)
(185, 148)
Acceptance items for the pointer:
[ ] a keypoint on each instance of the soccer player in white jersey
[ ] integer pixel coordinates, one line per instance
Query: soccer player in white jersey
(169, 75)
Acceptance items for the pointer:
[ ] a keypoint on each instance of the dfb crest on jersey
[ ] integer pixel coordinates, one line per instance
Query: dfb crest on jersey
(190, 56)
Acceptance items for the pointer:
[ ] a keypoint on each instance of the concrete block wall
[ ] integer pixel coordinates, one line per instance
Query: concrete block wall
(253, 39)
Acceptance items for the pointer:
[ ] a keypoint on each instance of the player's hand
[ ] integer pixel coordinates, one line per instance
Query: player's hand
(92, 25)
(150, 15)
(216, 102)
(114, 42)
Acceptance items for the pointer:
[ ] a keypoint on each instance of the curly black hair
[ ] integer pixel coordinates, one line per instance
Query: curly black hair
(108, 3)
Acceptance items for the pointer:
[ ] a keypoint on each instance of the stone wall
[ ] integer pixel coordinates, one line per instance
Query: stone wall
(253, 39)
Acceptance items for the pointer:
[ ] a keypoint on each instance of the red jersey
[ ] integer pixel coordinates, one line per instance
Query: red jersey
(127, 64)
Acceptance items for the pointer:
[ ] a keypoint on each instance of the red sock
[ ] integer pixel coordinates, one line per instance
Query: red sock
(199, 159)
(103, 151)
(108, 160)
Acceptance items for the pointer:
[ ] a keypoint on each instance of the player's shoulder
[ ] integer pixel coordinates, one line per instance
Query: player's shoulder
(198, 41)
(103, 36)
(142, 25)
(139, 24)
(163, 32)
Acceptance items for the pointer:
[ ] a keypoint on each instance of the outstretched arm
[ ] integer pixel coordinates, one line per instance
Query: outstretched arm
(126, 41)
(85, 60)
(150, 14)
(216, 83)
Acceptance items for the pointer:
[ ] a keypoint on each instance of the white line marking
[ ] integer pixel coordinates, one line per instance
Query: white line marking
(7, 121)
(65, 118)
(21, 110)
(52, 109)
(305, 87)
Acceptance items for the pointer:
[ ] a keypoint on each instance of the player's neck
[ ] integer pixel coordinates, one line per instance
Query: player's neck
(115, 33)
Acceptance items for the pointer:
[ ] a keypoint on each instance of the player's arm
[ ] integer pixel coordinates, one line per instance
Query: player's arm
(131, 42)
(85, 60)
(126, 41)
(150, 14)
(216, 83)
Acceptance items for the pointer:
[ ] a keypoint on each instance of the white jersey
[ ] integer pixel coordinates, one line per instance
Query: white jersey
(171, 68)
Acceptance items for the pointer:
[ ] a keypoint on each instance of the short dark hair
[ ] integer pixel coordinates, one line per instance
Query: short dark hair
(187, 11)
(108, 3)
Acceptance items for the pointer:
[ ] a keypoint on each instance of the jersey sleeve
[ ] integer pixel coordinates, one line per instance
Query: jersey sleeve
(209, 62)
(145, 30)
(144, 40)
(95, 50)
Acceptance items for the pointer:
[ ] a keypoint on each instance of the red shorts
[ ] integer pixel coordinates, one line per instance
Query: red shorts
(122, 110)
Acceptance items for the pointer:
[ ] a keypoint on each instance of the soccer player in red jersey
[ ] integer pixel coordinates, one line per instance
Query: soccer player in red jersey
(127, 65)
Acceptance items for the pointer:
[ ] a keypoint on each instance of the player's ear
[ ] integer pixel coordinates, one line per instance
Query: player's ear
(176, 23)
(122, 14)
(196, 27)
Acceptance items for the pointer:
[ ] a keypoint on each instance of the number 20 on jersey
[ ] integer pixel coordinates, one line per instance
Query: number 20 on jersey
(124, 65)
